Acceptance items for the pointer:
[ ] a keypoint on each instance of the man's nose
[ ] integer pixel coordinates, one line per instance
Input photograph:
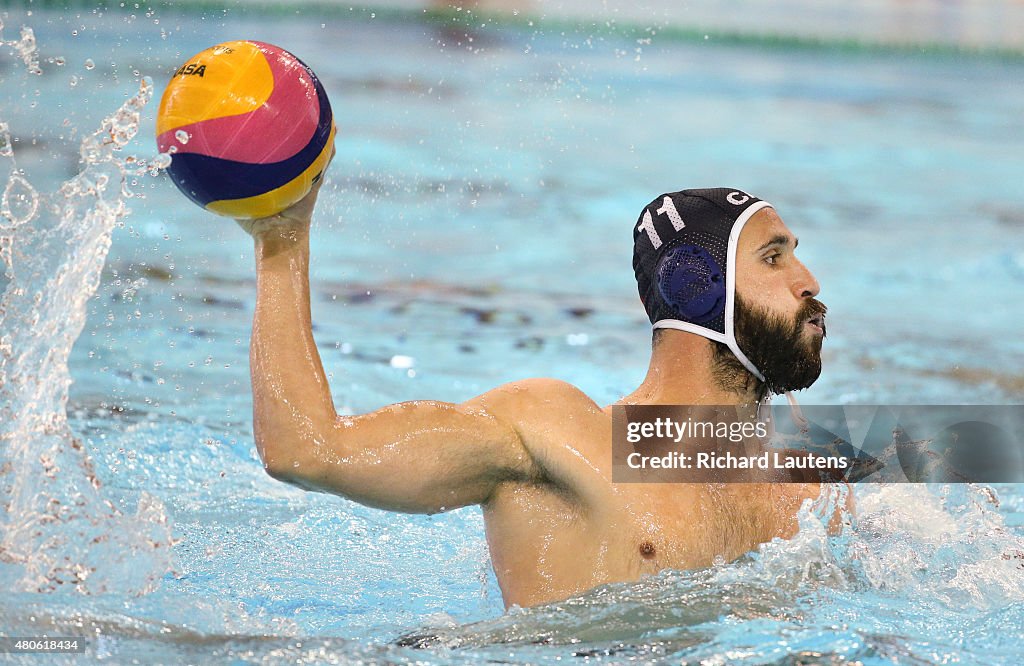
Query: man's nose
(804, 284)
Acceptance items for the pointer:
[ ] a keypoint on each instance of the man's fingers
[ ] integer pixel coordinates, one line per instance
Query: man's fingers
(298, 214)
(245, 224)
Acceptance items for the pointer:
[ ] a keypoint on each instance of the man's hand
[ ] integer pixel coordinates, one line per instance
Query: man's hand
(292, 221)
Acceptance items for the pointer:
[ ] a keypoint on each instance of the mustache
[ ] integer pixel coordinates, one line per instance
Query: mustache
(811, 308)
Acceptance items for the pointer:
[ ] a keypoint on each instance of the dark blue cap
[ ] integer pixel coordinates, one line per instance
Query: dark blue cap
(681, 254)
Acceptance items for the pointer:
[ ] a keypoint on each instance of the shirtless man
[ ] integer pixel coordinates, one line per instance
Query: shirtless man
(536, 454)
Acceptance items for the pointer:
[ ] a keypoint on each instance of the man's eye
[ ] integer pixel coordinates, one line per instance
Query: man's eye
(772, 259)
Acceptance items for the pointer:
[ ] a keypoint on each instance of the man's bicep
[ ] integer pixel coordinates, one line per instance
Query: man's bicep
(417, 457)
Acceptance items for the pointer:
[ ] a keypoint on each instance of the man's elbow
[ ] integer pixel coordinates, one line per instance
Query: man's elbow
(286, 468)
(279, 472)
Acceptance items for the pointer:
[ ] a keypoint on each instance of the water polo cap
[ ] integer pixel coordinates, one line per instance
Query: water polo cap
(684, 256)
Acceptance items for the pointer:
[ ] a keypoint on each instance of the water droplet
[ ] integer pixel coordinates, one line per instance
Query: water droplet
(26, 48)
(162, 161)
(182, 136)
(577, 339)
(89, 64)
(401, 361)
(19, 203)
(6, 149)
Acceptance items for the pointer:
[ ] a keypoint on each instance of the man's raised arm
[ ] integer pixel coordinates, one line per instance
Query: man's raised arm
(417, 457)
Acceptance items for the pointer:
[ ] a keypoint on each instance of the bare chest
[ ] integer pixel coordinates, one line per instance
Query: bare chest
(545, 544)
(686, 526)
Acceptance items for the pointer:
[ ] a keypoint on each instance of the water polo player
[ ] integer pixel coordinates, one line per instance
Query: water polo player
(736, 319)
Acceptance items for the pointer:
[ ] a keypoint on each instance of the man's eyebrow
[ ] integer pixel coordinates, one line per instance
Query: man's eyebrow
(779, 239)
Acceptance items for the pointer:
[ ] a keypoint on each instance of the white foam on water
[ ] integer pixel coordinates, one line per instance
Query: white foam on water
(934, 553)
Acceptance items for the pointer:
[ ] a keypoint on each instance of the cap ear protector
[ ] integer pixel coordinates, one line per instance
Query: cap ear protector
(691, 282)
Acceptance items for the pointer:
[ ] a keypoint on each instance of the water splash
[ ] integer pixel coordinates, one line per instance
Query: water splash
(915, 555)
(25, 47)
(58, 529)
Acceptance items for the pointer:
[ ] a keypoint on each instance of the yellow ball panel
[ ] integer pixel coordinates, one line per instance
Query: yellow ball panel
(225, 80)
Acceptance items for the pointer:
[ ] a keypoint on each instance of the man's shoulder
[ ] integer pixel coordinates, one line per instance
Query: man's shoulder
(542, 389)
(556, 423)
(536, 396)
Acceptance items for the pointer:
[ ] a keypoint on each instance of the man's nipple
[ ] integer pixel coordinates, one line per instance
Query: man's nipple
(647, 549)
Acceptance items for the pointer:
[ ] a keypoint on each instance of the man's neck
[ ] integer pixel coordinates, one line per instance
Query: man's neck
(683, 372)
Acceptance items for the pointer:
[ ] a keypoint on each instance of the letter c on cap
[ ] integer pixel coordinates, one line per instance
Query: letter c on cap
(737, 198)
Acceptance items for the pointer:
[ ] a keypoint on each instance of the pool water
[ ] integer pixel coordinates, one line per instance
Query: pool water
(475, 229)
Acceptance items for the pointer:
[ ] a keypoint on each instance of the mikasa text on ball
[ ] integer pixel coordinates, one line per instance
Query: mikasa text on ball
(249, 129)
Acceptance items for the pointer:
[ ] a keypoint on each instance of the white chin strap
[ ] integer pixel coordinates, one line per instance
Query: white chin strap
(797, 414)
(728, 338)
(799, 419)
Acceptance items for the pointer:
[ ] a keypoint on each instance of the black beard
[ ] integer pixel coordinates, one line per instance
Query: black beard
(776, 346)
